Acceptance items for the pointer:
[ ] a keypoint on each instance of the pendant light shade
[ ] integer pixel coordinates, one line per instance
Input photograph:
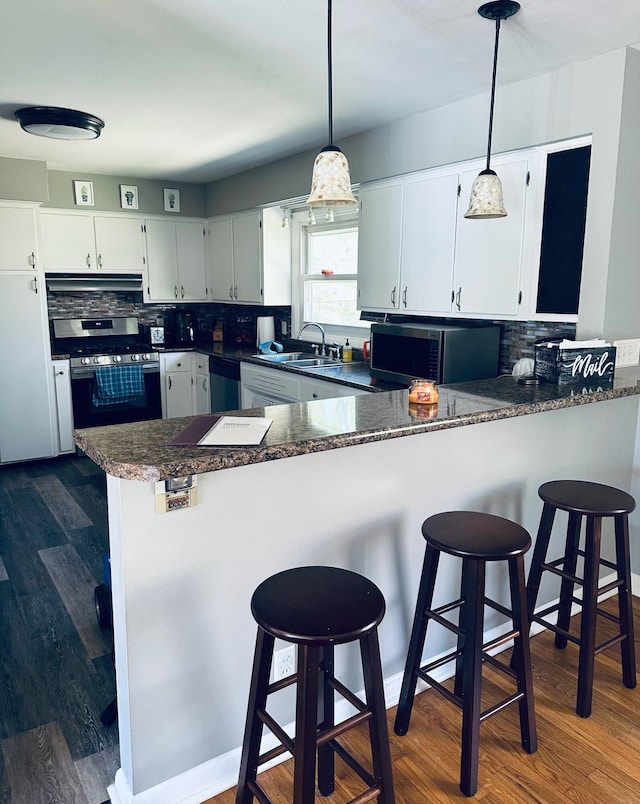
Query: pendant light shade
(331, 181)
(486, 192)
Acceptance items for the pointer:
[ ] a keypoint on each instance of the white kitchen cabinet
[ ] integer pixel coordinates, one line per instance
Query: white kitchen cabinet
(176, 260)
(26, 422)
(250, 258)
(62, 406)
(18, 238)
(313, 388)
(489, 253)
(74, 242)
(176, 384)
(201, 391)
(379, 246)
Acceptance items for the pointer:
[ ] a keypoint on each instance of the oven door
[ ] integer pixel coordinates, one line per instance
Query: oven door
(143, 407)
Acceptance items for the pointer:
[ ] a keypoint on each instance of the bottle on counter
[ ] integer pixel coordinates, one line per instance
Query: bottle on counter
(423, 392)
(347, 352)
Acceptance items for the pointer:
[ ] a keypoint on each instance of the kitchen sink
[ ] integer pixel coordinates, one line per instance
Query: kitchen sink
(298, 359)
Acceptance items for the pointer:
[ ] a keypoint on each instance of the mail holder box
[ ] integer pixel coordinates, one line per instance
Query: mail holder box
(592, 366)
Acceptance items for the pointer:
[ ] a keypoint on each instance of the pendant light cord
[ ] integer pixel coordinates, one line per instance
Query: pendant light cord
(493, 89)
(330, 74)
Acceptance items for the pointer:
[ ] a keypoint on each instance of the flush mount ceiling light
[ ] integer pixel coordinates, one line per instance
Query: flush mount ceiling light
(59, 124)
(486, 191)
(331, 182)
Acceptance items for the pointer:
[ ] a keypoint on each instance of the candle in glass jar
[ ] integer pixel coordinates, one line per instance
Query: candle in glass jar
(423, 392)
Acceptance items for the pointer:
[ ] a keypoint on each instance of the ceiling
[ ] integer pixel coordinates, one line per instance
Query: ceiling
(200, 89)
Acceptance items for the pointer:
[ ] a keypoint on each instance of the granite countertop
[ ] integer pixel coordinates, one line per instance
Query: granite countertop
(139, 451)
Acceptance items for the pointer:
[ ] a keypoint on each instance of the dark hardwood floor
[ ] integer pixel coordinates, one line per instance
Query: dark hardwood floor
(56, 670)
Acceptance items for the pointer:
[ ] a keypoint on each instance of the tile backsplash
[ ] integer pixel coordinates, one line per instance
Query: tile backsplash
(239, 321)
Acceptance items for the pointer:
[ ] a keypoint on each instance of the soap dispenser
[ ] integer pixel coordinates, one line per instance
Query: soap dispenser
(347, 352)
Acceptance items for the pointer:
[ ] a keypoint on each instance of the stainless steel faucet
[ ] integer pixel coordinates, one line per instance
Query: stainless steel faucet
(321, 328)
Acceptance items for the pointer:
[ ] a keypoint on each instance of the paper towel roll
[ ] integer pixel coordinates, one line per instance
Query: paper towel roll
(265, 329)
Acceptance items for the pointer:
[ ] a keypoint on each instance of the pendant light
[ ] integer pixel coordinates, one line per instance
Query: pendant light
(486, 191)
(331, 182)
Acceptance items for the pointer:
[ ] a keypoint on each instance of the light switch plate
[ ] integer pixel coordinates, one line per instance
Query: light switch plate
(627, 352)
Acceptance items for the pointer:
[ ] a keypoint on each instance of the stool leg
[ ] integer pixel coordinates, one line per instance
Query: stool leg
(457, 682)
(522, 655)
(473, 622)
(378, 733)
(326, 755)
(416, 643)
(253, 728)
(625, 605)
(304, 749)
(566, 588)
(586, 658)
(539, 555)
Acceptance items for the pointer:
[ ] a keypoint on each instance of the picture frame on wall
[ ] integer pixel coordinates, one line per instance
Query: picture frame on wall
(171, 200)
(128, 196)
(83, 192)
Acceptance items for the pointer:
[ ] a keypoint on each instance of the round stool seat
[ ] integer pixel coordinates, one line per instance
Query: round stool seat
(585, 497)
(470, 534)
(317, 605)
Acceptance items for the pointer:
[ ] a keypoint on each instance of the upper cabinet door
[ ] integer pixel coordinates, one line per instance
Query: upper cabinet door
(162, 256)
(119, 244)
(428, 240)
(489, 252)
(192, 266)
(379, 236)
(18, 238)
(247, 257)
(221, 259)
(68, 242)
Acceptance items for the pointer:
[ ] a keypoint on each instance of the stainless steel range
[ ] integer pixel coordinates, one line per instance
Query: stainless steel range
(115, 375)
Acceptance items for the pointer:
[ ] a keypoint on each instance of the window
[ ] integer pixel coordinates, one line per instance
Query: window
(325, 282)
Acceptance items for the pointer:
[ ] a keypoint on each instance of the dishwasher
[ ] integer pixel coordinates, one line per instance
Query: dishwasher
(224, 383)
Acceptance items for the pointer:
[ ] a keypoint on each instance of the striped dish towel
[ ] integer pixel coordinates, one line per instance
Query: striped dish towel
(117, 384)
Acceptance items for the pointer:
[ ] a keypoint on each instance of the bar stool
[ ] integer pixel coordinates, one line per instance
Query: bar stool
(476, 538)
(594, 501)
(317, 608)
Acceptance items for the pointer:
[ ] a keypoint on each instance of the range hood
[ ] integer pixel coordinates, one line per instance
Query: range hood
(94, 281)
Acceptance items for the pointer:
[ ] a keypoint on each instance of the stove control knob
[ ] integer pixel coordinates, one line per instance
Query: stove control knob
(96, 359)
(135, 358)
(146, 356)
(117, 359)
(85, 361)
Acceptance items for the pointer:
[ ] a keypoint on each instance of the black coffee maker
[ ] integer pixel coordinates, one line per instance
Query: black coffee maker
(181, 328)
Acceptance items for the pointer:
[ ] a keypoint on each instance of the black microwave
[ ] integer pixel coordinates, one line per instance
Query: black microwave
(445, 353)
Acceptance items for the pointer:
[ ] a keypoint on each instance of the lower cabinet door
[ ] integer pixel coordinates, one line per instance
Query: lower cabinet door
(63, 405)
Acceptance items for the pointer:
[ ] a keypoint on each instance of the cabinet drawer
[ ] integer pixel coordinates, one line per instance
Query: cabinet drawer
(176, 361)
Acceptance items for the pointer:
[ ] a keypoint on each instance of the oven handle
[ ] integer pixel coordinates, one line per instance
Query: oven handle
(83, 373)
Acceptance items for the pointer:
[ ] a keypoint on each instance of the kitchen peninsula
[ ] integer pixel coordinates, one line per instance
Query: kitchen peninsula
(345, 482)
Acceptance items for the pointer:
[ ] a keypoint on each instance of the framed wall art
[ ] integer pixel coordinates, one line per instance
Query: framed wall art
(128, 196)
(83, 192)
(171, 200)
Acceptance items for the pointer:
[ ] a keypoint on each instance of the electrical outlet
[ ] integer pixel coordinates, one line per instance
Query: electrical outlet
(284, 662)
(627, 352)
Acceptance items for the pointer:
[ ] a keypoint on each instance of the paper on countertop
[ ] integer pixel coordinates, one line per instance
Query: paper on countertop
(222, 431)
(588, 344)
(236, 431)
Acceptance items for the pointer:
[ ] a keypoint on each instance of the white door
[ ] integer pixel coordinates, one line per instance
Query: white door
(247, 256)
(428, 239)
(221, 259)
(63, 405)
(26, 425)
(18, 238)
(192, 267)
(119, 244)
(489, 252)
(379, 234)
(67, 243)
(162, 258)
(178, 394)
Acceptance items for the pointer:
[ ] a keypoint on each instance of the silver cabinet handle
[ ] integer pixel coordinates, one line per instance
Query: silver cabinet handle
(35, 284)
(404, 295)
(393, 296)
(182, 291)
(32, 259)
(231, 292)
(235, 292)
(458, 295)
(88, 260)
(99, 260)
(175, 291)
(169, 379)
